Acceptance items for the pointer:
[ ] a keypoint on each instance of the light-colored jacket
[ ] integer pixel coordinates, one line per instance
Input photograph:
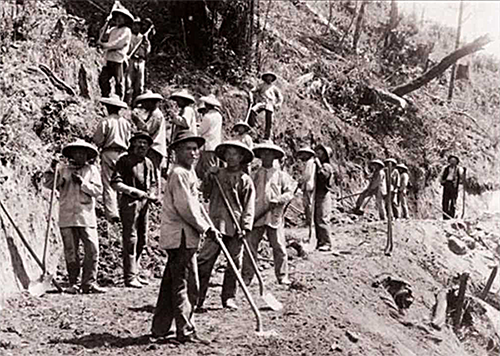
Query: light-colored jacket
(118, 44)
(185, 120)
(144, 48)
(405, 178)
(308, 175)
(211, 129)
(113, 132)
(240, 191)
(377, 182)
(76, 201)
(272, 185)
(181, 210)
(270, 95)
(155, 125)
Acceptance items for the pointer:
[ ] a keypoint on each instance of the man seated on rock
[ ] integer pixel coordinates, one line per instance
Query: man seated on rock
(78, 183)
(135, 181)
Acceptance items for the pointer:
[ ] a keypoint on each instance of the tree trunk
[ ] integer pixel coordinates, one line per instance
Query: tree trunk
(359, 25)
(445, 63)
(457, 43)
(393, 23)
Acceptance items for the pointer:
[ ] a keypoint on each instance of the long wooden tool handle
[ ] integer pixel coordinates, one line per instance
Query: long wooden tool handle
(388, 204)
(313, 203)
(238, 228)
(236, 272)
(49, 225)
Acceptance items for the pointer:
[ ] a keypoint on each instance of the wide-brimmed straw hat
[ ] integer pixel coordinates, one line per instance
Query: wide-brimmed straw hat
(377, 162)
(211, 100)
(114, 100)
(402, 166)
(242, 124)
(68, 150)
(220, 150)
(185, 136)
(184, 94)
(390, 160)
(124, 11)
(453, 156)
(327, 149)
(141, 134)
(148, 95)
(306, 151)
(269, 74)
(257, 150)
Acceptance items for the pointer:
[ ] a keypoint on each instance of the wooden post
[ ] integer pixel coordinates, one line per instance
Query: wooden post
(440, 312)
(487, 287)
(388, 204)
(457, 316)
(457, 43)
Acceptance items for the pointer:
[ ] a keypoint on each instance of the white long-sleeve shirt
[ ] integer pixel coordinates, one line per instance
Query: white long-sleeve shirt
(118, 44)
(211, 129)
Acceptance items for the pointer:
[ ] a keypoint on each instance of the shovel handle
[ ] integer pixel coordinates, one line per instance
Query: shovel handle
(49, 225)
(236, 272)
(27, 245)
(255, 267)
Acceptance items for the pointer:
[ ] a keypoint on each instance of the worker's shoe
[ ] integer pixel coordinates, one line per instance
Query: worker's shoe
(143, 280)
(93, 289)
(193, 338)
(230, 304)
(72, 289)
(285, 281)
(134, 283)
(324, 248)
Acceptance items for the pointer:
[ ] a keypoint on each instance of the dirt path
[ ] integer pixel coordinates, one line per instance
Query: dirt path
(331, 308)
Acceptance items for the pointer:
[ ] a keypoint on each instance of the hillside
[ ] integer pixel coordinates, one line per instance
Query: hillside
(332, 306)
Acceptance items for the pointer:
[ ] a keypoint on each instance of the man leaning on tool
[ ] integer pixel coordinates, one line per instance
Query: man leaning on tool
(182, 227)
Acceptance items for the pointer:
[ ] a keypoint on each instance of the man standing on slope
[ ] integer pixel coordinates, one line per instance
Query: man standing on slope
(376, 187)
(450, 180)
(182, 227)
(402, 191)
(137, 64)
(111, 136)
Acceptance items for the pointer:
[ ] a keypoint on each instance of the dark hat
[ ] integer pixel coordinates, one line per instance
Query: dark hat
(257, 150)
(67, 151)
(453, 156)
(390, 160)
(271, 74)
(220, 150)
(141, 134)
(306, 151)
(327, 149)
(377, 162)
(114, 100)
(242, 124)
(185, 136)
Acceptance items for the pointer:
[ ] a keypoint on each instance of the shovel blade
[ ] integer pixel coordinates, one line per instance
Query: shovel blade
(272, 302)
(41, 286)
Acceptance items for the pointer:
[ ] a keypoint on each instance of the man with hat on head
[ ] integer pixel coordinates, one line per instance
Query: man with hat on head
(135, 181)
(149, 118)
(240, 191)
(186, 118)
(450, 180)
(78, 183)
(376, 187)
(137, 63)
(402, 191)
(241, 129)
(116, 48)
(211, 130)
(322, 199)
(269, 99)
(111, 137)
(395, 181)
(182, 227)
(306, 155)
(274, 189)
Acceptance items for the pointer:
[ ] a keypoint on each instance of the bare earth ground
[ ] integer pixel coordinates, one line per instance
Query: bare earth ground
(330, 309)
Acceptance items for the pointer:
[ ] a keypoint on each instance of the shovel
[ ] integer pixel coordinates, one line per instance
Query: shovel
(268, 298)
(37, 288)
(237, 273)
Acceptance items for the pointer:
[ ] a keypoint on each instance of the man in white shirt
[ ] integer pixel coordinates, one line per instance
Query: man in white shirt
(137, 64)
(402, 191)
(116, 46)
(211, 130)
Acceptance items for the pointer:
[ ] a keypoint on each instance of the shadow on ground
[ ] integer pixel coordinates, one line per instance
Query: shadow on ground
(93, 340)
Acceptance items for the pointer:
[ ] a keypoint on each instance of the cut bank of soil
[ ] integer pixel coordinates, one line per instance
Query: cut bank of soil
(331, 307)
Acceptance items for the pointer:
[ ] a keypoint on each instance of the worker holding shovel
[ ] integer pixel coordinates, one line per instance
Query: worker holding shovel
(79, 183)
(182, 226)
(239, 189)
(274, 189)
(322, 199)
(306, 155)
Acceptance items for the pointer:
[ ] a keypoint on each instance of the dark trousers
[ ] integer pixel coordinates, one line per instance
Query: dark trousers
(134, 218)
(450, 194)
(178, 293)
(252, 121)
(111, 70)
(322, 210)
